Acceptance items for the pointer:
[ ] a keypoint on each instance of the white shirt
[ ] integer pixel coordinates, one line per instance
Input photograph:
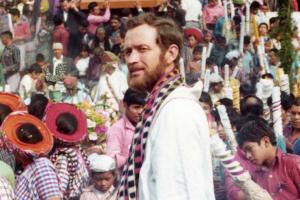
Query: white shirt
(26, 86)
(65, 16)
(82, 65)
(56, 62)
(193, 9)
(177, 161)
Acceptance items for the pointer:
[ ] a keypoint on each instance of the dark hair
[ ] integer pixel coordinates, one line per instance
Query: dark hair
(115, 17)
(247, 39)
(273, 20)
(267, 75)
(58, 20)
(254, 130)
(14, 12)
(226, 102)
(92, 5)
(254, 107)
(37, 106)
(275, 51)
(254, 5)
(4, 111)
(263, 23)
(7, 33)
(168, 32)
(85, 47)
(296, 101)
(197, 49)
(285, 99)
(66, 123)
(133, 96)
(84, 23)
(40, 58)
(29, 133)
(35, 68)
(246, 89)
(205, 98)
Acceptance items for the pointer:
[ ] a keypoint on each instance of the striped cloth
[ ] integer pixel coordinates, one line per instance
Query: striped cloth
(6, 191)
(129, 182)
(39, 181)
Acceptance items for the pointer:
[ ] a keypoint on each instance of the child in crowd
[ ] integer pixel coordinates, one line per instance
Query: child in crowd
(103, 173)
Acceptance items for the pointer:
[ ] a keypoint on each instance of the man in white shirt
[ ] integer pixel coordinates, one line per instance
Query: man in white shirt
(170, 154)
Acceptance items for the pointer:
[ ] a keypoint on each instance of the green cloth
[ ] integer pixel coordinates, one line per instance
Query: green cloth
(2, 82)
(7, 172)
(239, 2)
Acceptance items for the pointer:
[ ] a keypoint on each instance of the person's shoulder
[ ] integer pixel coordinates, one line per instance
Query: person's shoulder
(290, 159)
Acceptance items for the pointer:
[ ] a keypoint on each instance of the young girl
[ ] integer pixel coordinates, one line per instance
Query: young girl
(103, 173)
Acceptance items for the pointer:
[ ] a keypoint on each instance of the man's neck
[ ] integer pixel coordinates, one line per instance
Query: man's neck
(271, 157)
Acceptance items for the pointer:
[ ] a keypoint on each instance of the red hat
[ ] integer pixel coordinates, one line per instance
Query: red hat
(12, 123)
(194, 32)
(14, 102)
(55, 110)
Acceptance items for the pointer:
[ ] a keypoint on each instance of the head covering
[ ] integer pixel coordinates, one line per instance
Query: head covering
(267, 88)
(12, 123)
(55, 110)
(14, 102)
(215, 78)
(101, 163)
(232, 54)
(238, 2)
(194, 32)
(57, 45)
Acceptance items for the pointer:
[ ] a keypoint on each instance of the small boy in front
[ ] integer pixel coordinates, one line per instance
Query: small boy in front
(276, 172)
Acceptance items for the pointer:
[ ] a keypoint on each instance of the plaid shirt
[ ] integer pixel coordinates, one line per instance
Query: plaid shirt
(38, 182)
(10, 60)
(6, 191)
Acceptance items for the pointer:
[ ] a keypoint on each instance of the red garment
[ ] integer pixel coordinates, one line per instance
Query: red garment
(60, 34)
(22, 30)
(294, 4)
(281, 180)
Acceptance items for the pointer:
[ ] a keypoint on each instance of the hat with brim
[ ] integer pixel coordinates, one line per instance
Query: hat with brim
(190, 31)
(14, 102)
(11, 125)
(55, 110)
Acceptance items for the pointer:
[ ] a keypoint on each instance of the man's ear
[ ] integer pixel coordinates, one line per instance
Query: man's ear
(265, 141)
(171, 54)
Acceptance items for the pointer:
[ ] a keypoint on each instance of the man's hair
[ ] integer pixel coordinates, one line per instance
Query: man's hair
(115, 17)
(4, 111)
(254, 107)
(133, 96)
(35, 68)
(7, 33)
(273, 20)
(66, 123)
(58, 20)
(168, 32)
(246, 89)
(247, 39)
(285, 99)
(40, 58)
(14, 12)
(28, 133)
(296, 101)
(267, 76)
(275, 51)
(253, 130)
(254, 5)
(205, 98)
(37, 106)
(92, 5)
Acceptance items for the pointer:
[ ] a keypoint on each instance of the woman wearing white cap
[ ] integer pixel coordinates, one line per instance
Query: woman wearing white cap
(103, 172)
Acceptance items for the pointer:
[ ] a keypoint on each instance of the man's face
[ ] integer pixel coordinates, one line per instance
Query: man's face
(255, 152)
(15, 18)
(134, 112)
(103, 181)
(295, 116)
(144, 57)
(115, 24)
(272, 58)
(58, 53)
(192, 42)
(65, 5)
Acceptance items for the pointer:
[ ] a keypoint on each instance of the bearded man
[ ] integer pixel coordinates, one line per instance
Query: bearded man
(170, 153)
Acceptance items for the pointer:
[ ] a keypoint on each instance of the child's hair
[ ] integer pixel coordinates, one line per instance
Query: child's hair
(133, 96)
(4, 111)
(40, 57)
(197, 49)
(58, 20)
(14, 12)
(253, 130)
(205, 98)
(66, 123)
(296, 102)
(7, 33)
(35, 68)
(85, 48)
(92, 5)
(37, 106)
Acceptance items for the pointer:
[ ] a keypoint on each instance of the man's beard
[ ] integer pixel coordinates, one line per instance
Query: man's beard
(149, 78)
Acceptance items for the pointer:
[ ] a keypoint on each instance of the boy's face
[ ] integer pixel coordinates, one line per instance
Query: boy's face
(197, 55)
(103, 181)
(255, 152)
(134, 112)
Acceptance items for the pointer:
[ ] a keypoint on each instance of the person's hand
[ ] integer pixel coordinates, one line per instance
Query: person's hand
(107, 4)
(73, 6)
(138, 4)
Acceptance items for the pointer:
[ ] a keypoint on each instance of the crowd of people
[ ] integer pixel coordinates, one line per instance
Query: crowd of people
(187, 100)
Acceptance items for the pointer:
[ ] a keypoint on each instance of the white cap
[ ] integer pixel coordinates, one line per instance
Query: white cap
(215, 78)
(232, 54)
(57, 45)
(101, 163)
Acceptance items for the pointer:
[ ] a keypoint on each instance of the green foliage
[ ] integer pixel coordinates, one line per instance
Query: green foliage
(285, 31)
